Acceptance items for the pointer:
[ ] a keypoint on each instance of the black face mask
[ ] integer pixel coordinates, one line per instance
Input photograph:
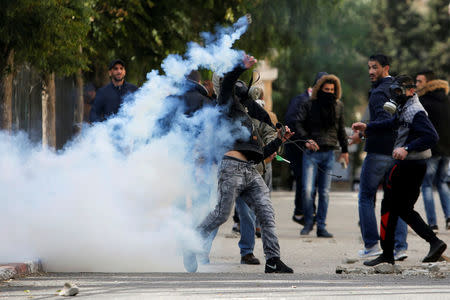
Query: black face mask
(327, 102)
(326, 97)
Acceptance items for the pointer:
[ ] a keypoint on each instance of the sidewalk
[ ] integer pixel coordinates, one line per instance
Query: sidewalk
(13, 270)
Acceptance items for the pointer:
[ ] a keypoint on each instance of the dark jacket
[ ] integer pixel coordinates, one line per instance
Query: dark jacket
(309, 125)
(383, 142)
(293, 109)
(250, 145)
(435, 100)
(195, 97)
(108, 100)
(292, 152)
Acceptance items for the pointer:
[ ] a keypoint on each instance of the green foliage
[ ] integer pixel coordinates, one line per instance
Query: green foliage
(143, 33)
(334, 40)
(48, 34)
(415, 37)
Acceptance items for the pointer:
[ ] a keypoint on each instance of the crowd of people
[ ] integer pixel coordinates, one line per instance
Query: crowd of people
(407, 145)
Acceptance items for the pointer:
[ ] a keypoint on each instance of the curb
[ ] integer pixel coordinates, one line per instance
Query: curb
(12, 270)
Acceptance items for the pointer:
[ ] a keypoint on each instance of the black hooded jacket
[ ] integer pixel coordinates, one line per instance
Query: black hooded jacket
(434, 98)
(251, 146)
(310, 126)
(195, 97)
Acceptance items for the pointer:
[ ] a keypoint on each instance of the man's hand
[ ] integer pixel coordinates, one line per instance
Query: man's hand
(360, 126)
(249, 61)
(312, 145)
(287, 134)
(270, 158)
(344, 156)
(399, 153)
(355, 139)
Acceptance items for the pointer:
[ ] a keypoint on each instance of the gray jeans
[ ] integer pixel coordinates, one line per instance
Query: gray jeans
(240, 178)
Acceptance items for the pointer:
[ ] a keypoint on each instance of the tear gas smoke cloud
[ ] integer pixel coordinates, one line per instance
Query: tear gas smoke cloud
(114, 198)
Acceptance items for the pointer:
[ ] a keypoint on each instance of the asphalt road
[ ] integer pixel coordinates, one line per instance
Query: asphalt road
(227, 286)
(314, 261)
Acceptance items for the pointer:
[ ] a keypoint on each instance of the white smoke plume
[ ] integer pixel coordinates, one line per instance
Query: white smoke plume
(114, 198)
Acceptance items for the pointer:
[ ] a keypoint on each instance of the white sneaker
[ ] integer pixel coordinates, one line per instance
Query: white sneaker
(368, 252)
(400, 255)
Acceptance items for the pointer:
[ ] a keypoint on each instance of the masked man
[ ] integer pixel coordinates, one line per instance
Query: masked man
(321, 124)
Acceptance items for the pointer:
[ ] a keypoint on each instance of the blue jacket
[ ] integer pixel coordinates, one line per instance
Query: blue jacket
(294, 107)
(383, 142)
(108, 100)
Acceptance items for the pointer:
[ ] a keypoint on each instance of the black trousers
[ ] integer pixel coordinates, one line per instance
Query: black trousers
(295, 156)
(402, 190)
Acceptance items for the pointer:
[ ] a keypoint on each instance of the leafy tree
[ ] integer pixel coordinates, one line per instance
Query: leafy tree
(49, 35)
(415, 39)
(438, 18)
(143, 33)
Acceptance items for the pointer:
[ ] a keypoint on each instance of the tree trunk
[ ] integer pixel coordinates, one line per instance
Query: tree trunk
(78, 111)
(48, 111)
(6, 84)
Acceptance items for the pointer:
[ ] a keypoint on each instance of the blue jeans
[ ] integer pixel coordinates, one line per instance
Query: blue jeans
(247, 220)
(373, 172)
(437, 168)
(312, 161)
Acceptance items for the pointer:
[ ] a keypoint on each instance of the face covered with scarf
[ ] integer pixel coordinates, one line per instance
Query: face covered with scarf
(327, 101)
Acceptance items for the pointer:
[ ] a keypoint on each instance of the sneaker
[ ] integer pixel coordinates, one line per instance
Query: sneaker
(368, 252)
(306, 230)
(436, 250)
(400, 255)
(447, 224)
(323, 233)
(258, 232)
(435, 228)
(379, 260)
(190, 261)
(249, 259)
(236, 228)
(300, 220)
(275, 265)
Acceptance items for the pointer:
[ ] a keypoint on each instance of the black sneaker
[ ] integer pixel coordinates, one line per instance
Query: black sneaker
(323, 233)
(236, 228)
(275, 265)
(300, 220)
(306, 230)
(249, 259)
(379, 260)
(435, 228)
(447, 224)
(436, 250)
